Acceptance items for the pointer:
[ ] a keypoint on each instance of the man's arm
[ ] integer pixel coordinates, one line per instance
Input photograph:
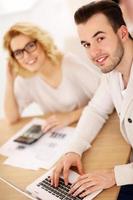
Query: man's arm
(90, 123)
(92, 119)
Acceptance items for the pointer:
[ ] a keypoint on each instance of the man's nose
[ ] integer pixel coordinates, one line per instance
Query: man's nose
(94, 51)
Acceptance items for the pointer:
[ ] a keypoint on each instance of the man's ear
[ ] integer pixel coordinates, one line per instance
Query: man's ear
(123, 33)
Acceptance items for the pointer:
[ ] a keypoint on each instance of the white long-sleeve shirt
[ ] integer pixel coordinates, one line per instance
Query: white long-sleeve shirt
(110, 94)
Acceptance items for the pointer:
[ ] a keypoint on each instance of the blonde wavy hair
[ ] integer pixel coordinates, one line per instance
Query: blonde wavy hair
(34, 32)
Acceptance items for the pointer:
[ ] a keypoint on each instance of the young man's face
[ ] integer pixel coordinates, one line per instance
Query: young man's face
(103, 46)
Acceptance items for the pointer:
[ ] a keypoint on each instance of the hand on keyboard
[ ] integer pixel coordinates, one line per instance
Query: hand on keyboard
(63, 167)
(61, 191)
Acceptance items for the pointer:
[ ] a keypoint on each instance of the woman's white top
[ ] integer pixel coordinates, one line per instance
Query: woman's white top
(78, 85)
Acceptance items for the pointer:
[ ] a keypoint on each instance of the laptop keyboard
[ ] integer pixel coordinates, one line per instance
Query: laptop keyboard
(61, 191)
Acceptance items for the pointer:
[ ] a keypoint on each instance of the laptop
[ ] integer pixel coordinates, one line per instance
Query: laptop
(41, 188)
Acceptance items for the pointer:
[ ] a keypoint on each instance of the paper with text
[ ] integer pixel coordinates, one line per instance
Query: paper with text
(41, 154)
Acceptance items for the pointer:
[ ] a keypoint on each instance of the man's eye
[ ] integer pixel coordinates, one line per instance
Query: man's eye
(86, 45)
(100, 39)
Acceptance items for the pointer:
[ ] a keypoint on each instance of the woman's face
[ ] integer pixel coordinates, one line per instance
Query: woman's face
(28, 53)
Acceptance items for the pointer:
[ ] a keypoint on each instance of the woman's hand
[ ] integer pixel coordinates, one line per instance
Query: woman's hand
(57, 121)
(60, 120)
(92, 182)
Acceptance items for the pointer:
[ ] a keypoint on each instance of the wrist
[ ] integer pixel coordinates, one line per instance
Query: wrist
(74, 115)
(10, 83)
(71, 153)
(113, 175)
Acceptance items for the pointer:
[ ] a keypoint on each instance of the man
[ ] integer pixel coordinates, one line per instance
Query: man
(103, 33)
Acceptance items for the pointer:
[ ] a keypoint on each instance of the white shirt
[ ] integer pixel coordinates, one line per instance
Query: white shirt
(108, 95)
(78, 85)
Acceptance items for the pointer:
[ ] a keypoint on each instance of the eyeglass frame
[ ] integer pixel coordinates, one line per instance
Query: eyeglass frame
(24, 49)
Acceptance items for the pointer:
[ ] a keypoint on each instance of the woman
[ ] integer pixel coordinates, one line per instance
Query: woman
(38, 72)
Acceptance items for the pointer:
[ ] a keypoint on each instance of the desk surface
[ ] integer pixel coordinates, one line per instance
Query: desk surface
(108, 149)
(8, 193)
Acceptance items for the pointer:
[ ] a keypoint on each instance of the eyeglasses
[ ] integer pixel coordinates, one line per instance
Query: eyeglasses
(29, 48)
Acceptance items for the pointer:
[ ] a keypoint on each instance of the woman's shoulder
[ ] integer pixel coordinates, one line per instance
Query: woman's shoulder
(22, 81)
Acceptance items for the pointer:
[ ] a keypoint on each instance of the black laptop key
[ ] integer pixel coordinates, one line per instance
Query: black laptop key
(61, 191)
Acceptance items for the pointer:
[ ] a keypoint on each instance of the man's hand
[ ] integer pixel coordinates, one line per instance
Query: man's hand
(64, 165)
(92, 182)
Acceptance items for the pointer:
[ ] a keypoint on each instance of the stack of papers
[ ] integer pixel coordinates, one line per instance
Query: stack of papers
(44, 153)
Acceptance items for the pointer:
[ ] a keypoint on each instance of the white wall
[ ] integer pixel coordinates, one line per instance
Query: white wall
(75, 4)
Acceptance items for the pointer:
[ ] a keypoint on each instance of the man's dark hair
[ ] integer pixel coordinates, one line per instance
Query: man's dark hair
(117, 1)
(109, 8)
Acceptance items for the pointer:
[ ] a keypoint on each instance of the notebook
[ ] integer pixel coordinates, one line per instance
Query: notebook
(41, 188)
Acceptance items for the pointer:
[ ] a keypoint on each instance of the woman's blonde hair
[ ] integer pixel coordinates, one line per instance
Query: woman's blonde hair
(34, 32)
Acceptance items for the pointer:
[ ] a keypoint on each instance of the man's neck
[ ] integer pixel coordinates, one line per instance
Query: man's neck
(125, 65)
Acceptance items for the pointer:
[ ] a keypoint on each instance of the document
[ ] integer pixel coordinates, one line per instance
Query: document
(41, 154)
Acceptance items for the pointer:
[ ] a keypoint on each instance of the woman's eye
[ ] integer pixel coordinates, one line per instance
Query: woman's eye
(18, 52)
(31, 45)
